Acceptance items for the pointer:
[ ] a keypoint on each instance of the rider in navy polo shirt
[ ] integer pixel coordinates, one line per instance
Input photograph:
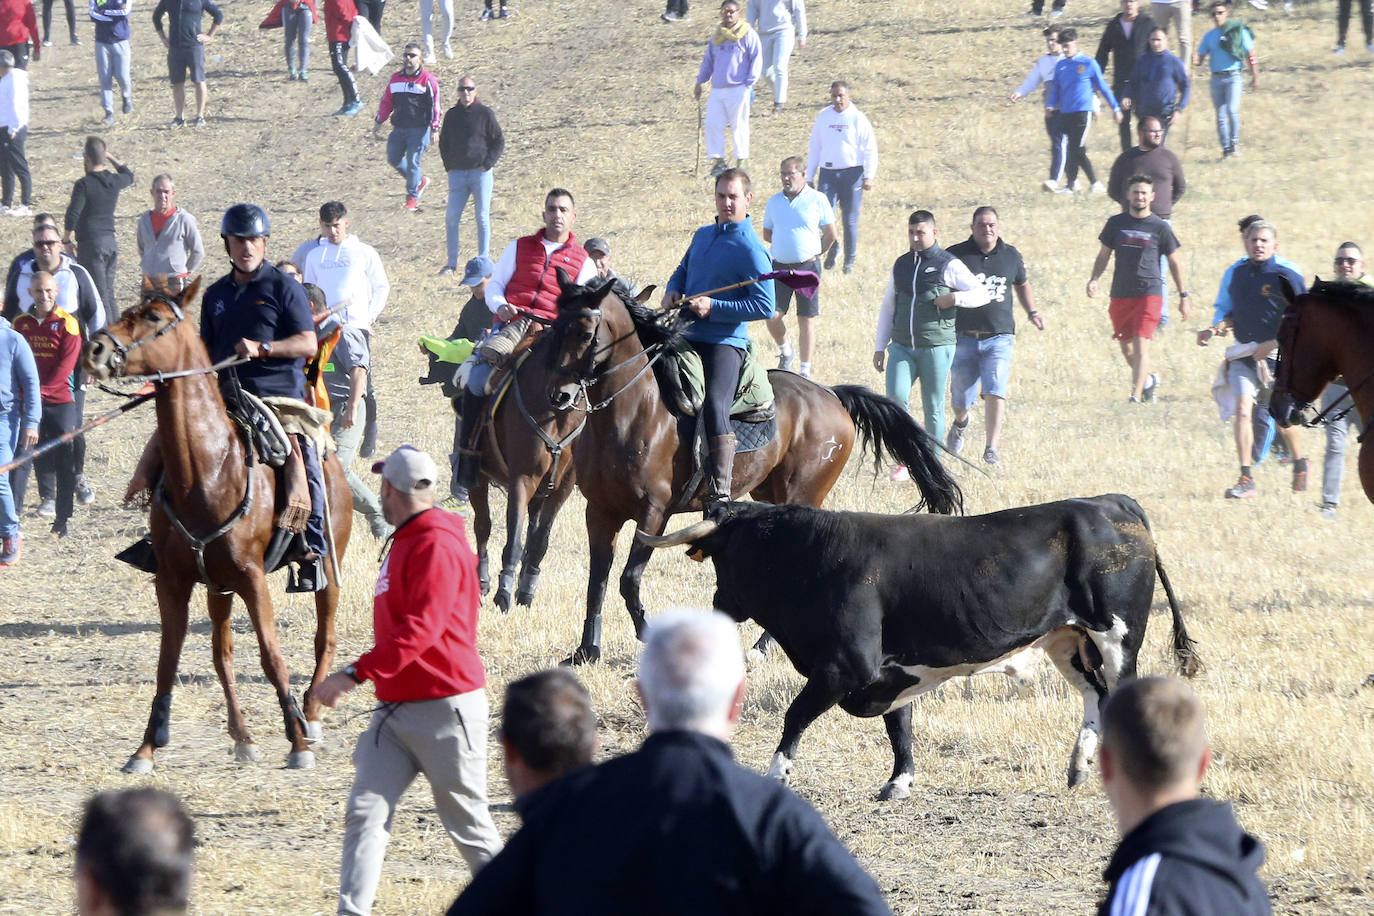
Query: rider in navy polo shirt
(258, 312)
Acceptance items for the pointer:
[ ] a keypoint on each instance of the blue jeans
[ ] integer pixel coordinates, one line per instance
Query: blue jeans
(112, 63)
(9, 439)
(1226, 98)
(845, 190)
(462, 184)
(984, 364)
(296, 26)
(403, 150)
(1337, 435)
(347, 440)
(929, 366)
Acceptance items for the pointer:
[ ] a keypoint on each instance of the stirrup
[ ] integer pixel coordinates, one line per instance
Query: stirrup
(139, 555)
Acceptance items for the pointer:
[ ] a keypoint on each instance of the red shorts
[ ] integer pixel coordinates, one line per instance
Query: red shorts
(1135, 317)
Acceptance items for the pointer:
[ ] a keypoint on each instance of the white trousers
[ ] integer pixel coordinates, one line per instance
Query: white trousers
(728, 107)
(446, 740)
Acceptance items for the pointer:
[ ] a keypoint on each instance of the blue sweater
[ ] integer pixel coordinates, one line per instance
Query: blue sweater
(1156, 81)
(1257, 300)
(1075, 78)
(718, 256)
(20, 404)
(111, 18)
(1222, 307)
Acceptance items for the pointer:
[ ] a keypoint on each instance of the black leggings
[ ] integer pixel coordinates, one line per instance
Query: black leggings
(372, 11)
(338, 59)
(720, 364)
(47, 19)
(1072, 145)
(1343, 20)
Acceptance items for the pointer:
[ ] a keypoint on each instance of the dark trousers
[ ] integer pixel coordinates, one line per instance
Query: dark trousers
(674, 6)
(14, 164)
(720, 363)
(1038, 6)
(338, 59)
(98, 255)
(20, 52)
(1070, 147)
(61, 461)
(314, 476)
(845, 190)
(372, 10)
(1366, 20)
(47, 479)
(47, 19)
(1124, 128)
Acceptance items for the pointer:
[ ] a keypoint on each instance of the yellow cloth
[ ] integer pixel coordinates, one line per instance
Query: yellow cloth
(738, 31)
(448, 351)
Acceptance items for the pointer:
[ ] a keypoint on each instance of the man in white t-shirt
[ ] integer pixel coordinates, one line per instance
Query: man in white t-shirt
(798, 224)
(841, 162)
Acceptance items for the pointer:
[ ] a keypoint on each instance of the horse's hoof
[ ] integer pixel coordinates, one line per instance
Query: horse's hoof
(483, 587)
(1076, 777)
(247, 752)
(300, 760)
(502, 600)
(137, 766)
(314, 731)
(585, 655)
(525, 598)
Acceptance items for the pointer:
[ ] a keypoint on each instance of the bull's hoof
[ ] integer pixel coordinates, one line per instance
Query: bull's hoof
(502, 600)
(247, 752)
(1076, 777)
(524, 597)
(314, 731)
(585, 655)
(754, 659)
(137, 766)
(896, 789)
(300, 760)
(781, 769)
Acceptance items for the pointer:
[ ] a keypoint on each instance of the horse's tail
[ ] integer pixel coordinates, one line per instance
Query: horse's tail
(884, 426)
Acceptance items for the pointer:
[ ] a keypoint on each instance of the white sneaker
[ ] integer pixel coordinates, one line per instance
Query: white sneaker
(1077, 185)
(448, 50)
(1260, 4)
(786, 356)
(21, 210)
(1099, 188)
(1049, 184)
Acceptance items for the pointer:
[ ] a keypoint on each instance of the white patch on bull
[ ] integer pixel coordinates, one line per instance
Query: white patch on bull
(781, 768)
(1061, 645)
(829, 454)
(1109, 645)
(897, 788)
(1018, 665)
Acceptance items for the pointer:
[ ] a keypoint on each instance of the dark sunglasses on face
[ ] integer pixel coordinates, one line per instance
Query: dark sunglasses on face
(1346, 260)
(467, 88)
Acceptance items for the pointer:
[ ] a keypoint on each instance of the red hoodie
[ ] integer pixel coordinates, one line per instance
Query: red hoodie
(424, 614)
(18, 24)
(338, 19)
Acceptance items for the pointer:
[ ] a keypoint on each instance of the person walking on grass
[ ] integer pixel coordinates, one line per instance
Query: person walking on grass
(1070, 100)
(21, 411)
(338, 29)
(731, 64)
(1343, 9)
(1228, 49)
(14, 129)
(1140, 240)
(470, 145)
(90, 220)
(780, 24)
(841, 162)
(411, 101)
(798, 225)
(185, 44)
(112, 53)
(297, 19)
(1043, 73)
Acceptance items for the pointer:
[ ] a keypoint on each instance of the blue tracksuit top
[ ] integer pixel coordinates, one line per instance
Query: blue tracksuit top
(1222, 307)
(1156, 81)
(1075, 78)
(718, 256)
(20, 404)
(1257, 300)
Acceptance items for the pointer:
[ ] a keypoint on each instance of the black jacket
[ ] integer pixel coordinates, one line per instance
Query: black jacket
(470, 138)
(676, 827)
(1125, 50)
(1189, 859)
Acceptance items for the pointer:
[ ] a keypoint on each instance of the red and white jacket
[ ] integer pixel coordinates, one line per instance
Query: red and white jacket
(424, 614)
(411, 101)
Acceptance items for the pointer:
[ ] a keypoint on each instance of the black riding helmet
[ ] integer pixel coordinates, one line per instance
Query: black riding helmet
(245, 221)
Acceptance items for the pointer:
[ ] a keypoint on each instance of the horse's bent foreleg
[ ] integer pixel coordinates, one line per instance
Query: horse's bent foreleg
(274, 667)
(173, 600)
(542, 515)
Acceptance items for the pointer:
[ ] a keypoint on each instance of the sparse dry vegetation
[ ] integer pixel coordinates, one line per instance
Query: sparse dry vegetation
(598, 100)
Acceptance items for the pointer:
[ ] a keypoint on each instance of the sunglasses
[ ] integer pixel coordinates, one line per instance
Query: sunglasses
(467, 88)
(46, 243)
(1346, 260)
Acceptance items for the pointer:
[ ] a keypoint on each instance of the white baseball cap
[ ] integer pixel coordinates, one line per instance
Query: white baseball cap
(408, 469)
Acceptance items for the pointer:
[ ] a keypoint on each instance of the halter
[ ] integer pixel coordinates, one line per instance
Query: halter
(590, 376)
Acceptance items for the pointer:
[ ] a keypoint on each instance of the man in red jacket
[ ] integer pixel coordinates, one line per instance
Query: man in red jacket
(429, 679)
(19, 29)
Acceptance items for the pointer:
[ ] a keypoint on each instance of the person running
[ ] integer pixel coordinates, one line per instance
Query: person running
(411, 101)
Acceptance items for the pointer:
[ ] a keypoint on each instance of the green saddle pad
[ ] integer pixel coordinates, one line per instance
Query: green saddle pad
(754, 394)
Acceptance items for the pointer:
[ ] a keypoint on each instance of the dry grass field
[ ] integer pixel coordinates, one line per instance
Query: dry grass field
(598, 100)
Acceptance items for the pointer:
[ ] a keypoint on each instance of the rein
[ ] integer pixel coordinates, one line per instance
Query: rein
(591, 376)
(1321, 416)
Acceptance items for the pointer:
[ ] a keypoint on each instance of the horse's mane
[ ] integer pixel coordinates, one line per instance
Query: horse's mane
(653, 327)
(1360, 294)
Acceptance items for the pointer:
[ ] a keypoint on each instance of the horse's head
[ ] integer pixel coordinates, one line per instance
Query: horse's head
(142, 341)
(1306, 364)
(593, 325)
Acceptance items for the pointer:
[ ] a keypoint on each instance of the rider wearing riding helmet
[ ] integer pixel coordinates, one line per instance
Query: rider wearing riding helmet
(258, 313)
(721, 254)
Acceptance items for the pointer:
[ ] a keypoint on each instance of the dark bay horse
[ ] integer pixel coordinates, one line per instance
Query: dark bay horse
(226, 504)
(629, 463)
(527, 451)
(1325, 333)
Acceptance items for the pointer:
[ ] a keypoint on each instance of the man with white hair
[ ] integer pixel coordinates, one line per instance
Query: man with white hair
(677, 826)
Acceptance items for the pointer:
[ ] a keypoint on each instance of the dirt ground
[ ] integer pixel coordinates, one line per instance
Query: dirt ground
(599, 101)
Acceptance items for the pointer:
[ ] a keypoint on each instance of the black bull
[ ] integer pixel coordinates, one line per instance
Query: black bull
(876, 609)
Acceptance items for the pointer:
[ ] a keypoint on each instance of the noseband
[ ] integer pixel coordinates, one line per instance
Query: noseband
(590, 375)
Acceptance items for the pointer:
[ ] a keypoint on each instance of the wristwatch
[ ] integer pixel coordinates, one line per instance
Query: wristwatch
(352, 672)
(266, 347)
(1183, 295)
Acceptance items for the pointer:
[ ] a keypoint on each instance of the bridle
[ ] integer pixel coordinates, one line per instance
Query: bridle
(589, 375)
(1329, 413)
(119, 359)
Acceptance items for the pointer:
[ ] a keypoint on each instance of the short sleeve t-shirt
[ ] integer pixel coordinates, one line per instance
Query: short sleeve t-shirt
(1138, 244)
(351, 352)
(271, 306)
(1000, 270)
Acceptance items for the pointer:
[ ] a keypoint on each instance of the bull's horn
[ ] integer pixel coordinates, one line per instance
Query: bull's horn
(690, 533)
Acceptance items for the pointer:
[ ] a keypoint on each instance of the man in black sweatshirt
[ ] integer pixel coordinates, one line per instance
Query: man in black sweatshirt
(1180, 854)
(1124, 40)
(470, 143)
(89, 224)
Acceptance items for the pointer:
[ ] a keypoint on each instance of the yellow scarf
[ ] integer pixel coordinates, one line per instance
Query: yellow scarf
(723, 34)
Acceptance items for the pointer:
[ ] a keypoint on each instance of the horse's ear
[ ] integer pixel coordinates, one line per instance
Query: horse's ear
(1289, 294)
(565, 282)
(188, 295)
(645, 293)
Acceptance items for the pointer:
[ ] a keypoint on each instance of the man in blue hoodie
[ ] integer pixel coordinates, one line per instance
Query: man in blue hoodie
(1179, 853)
(20, 411)
(723, 253)
(112, 54)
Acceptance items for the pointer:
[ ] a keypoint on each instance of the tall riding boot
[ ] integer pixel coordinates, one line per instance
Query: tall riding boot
(469, 454)
(722, 466)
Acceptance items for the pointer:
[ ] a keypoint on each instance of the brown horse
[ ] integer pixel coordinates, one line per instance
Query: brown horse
(1325, 333)
(212, 521)
(526, 450)
(630, 466)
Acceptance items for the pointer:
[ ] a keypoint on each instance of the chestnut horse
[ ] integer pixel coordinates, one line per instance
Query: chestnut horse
(630, 466)
(1325, 333)
(214, 493)
(526, 450)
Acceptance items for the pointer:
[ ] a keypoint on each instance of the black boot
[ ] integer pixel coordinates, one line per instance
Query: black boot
(469, 468)
(720, 469)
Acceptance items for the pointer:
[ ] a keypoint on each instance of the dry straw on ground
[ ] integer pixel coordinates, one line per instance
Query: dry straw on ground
(598, 100)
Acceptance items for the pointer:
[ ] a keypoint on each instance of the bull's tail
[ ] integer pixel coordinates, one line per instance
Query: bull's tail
(1185, 650)
(885, 426)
